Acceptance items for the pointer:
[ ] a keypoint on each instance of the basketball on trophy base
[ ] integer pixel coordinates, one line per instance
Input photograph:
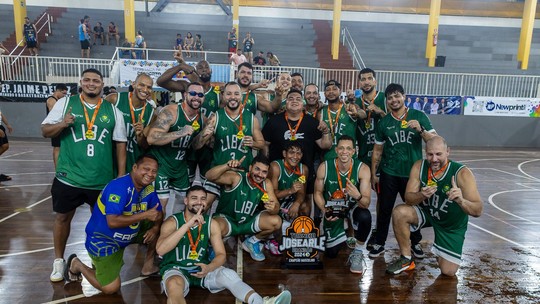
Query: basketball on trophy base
(337, 206)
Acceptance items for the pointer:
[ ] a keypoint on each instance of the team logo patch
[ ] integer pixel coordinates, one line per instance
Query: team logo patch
(105, 119)
(113, 198)
(446, 188)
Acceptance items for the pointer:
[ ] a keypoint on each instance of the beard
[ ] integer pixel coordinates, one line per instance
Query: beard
(205, 77)
(233, 108)
(368, 90)
(332, 100)
(91, 95)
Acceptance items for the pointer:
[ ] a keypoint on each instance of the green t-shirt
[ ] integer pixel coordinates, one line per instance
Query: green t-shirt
(227, 145)
(339, 126)
(133, 151)
(83, 162)
(366, 128)
(402, 146)
(242, 201)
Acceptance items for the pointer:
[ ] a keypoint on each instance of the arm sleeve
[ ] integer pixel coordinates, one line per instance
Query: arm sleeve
(119, 133)
(379, 135)
(425, 122)
(57, 113)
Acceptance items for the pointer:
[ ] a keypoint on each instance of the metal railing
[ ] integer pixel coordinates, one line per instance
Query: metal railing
(348, 41)
(46, 19)
(43, 69)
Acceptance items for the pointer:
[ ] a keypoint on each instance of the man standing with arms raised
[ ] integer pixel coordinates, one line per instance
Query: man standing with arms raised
(398, 144)
(88, 129)
(250, 100)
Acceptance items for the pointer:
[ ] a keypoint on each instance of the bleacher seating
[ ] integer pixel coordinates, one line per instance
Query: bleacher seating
(7, 23)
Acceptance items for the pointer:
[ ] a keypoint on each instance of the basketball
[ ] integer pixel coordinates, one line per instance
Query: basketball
(302, 224)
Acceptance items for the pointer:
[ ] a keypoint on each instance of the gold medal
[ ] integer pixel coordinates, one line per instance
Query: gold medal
(302, 179)
(265, 198)
(195, 126)
(404, 124)
(216, 89)
(240, 134)
(193, 255)
(368, 126)
(293, 137)
(89, 134)
(431, 183)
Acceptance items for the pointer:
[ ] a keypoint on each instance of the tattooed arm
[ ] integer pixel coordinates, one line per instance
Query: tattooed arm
(159, 134)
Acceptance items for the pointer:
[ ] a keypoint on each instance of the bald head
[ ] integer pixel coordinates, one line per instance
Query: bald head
(436, 141)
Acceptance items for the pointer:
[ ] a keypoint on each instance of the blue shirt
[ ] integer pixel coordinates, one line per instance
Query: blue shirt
(118, 198)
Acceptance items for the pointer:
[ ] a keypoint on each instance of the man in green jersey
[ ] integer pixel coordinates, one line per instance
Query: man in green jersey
(340, 117)
(373, 102)
(202, 73)
(90, 130)
(138, 110)
(184, 242)
(441, 194)
(398, 144)
(251, 101)
(344, 183)
(248, 204)
(177, 127)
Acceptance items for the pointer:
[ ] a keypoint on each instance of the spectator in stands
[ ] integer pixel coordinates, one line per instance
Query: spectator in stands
(259, 60)
(3, 50)
(273, 60)
(139, 44)
(233, 41)
(248, 43)
(125, 52)
(179, 42)
(113, 32)
(199, 45)
(99, 33)
(442, 106)
(88, 28)
(238, 58)
(84, 39)
(426, 107)
(188, 44)
(4, 144)
(417, 105)
(434, 106)
(30, 36)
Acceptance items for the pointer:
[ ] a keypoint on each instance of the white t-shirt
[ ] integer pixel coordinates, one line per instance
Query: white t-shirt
(434, 108)
(56, 115)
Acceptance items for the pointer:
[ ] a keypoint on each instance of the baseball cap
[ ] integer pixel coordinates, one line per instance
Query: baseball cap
(331, 83)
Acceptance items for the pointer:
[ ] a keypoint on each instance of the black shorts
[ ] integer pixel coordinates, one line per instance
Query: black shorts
(3, 140)
(55, 141)
(31, 44)
(67, 198)
(85, 44)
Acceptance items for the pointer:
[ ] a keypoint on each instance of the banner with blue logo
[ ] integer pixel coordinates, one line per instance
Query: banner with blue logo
(501, 106)
(435, 105)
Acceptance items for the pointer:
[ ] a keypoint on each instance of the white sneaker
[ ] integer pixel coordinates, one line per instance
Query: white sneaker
(87, 288)
(57, 272)
(283, 298)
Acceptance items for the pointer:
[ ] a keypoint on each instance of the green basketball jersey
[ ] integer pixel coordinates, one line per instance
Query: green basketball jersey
(286, 180)
(402, 146)
(242, 201)
(83, 162)
(342, 125)
(366, 128)
(251, 102)
(179, 257)
(172, 156)
(227, 145)
(335, 233)
(133, 151)
(444, 212)
(211, 101)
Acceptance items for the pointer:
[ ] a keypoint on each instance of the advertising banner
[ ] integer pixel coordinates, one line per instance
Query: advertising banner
(501, 106)
(14, 91)
(435, 105)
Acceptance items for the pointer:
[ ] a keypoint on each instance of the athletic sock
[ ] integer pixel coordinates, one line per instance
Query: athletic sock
(253, 239)
(255, 298)
(408, 257)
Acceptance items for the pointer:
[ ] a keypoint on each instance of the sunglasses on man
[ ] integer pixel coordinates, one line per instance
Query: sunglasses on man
(193, 93)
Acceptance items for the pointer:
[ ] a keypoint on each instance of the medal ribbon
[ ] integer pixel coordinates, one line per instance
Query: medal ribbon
(187, 118)
(295, 170)
(330, 119)
(401, 119)
(239, 118)
(431, 176)
(339, 174)
(251, 181)
(246, 98)
(293, 132)
(190, 237)
(90, 123)
(364, 101)
(132, 110)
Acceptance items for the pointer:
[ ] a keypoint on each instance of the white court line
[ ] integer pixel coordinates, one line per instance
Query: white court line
(26, 160)
(34, 173)
(509, 224)
(239, 263)
(81, 296)
(28, 185)
(16, 154)
(36, 250)
(517, 175)
(524, 173)
(526, 185)
(499, 236)
(490, 199)
(34, 204)
(489, 159)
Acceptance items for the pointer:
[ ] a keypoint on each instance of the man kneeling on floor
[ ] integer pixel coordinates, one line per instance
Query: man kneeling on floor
(441, 194)
(127, 211)
(184, 242)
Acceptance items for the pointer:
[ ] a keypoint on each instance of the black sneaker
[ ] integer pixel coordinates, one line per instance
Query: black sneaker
(371, 241)
(417, 251)
(376, 251)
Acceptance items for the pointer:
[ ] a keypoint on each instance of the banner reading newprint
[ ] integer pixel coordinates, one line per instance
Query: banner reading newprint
(501, 106)
(435, 105)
